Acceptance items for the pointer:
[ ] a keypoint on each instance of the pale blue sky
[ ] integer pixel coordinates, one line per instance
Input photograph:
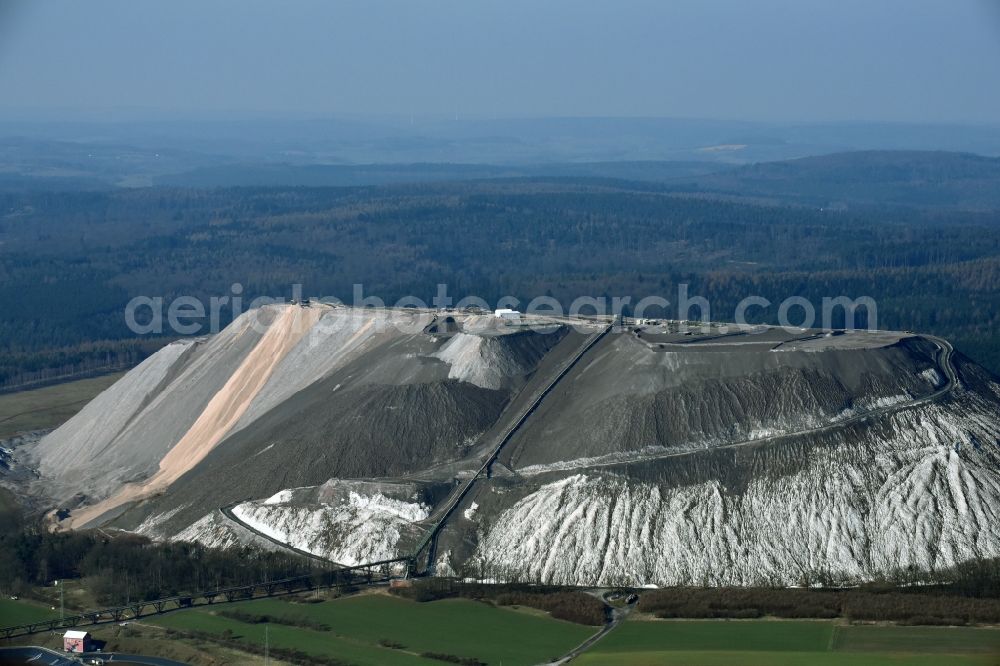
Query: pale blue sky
(900, 60)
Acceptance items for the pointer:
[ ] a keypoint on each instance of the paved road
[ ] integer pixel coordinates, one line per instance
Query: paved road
(45, 657)
(617, 615)
(945, 351)
(119, 658)
(36, 656)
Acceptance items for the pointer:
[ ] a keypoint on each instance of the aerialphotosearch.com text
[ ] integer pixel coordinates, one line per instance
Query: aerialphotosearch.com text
(188, 315)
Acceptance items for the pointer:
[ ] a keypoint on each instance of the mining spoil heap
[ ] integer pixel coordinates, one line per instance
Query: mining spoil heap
(548, 449)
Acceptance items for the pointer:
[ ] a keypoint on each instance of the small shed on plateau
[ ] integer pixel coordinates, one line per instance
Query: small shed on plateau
(508, 314)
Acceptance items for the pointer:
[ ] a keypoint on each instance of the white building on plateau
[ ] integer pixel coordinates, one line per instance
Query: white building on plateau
(77, 641)
(507, 313)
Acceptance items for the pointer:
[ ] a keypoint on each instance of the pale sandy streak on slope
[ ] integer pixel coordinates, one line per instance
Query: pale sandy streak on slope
(221, 413)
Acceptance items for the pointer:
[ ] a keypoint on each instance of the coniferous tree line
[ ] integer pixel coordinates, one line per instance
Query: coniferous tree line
(70, 261)
(966, 594)
(123, 568)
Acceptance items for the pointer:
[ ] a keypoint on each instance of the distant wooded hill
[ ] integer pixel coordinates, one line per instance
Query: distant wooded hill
(872, 178)
(338, 175)
(897, 178)
(69, 261)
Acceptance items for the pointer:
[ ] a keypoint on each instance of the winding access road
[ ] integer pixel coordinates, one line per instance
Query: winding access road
(617, 615)
(944, 361)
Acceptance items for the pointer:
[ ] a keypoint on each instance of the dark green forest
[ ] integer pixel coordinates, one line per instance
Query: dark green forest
(125, 567)
(70, 261)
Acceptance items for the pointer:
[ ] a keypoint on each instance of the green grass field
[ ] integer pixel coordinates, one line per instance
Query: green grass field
(918, 639)
(44, 408)
(358, 624)
(791, 643)
(22, 612)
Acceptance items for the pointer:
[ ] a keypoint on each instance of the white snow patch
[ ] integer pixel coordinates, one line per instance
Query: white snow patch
(210, 531)
(863, 406)
(360, 528)
(280, 497)
(150, 526)
(885, 401)
(933, 377)
(606, 459)
(379, 504)
(763, 433)
(442, 567)
(856, 509)
(471, 511)
(264, 450)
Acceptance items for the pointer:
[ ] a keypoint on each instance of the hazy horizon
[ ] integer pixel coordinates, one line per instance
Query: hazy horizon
(909, 62)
